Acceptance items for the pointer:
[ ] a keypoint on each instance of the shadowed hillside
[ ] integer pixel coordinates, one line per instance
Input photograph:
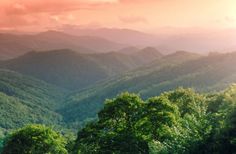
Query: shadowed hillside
(72, 70)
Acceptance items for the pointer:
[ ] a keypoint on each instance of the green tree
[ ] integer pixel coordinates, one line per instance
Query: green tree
(176, 122)
(188, 101)
(35, 139)
(181, 121)
(115, 130)
(158, 116)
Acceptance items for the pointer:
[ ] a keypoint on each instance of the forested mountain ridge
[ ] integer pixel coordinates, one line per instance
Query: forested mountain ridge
(155, 121)
(69, 69)
(205, 73)
(210, 73)
(25, 100)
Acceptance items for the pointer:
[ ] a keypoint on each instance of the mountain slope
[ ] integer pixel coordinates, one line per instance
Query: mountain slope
(91, 98)
(72, 70)
(25, 100)
(209, 73)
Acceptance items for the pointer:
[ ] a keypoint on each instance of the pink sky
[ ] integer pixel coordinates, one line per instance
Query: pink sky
(146, 15)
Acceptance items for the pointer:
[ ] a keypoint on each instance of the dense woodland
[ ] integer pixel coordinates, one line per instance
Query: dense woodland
(62, 101)
(179, 121)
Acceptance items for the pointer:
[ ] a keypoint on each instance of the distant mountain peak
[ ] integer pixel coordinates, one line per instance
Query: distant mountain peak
(52, 32)
(151, 50)
(182, 52)
(128, 50)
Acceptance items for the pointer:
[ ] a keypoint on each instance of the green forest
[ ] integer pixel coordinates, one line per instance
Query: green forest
(61, 101)
(181, 121)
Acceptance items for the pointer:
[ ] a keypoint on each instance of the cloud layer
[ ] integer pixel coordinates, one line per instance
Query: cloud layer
(137, 14)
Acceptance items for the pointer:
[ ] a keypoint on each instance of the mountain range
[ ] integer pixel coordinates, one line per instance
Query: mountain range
(103, 40)
(13, 45)
(64, 79)
(167, 39)
(203, 73)
(73, 70)
(57, 83)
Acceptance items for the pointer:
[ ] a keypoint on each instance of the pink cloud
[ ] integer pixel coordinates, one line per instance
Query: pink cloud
(18, 7)
(17, 13)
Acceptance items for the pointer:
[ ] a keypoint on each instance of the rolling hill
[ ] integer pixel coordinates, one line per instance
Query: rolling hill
(207, 73)
(25, 100)
(45, 103)
(72, 70)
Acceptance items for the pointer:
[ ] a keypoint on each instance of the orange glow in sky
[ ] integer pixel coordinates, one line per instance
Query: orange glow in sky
(135, 14)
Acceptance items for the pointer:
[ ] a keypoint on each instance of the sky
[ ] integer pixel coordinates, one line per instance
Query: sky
(145, 15)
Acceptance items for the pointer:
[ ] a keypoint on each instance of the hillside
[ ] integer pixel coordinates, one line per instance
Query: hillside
(13, 45)
(210, 73)
(25, 100)
(72, 70)
(204, 73)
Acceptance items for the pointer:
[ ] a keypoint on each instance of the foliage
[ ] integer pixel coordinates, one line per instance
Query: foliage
(36, 139)
(115, 130)
(25, 100)
(176, 122)
(180, 121)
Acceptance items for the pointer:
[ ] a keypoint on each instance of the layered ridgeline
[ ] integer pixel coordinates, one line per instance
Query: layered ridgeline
(40, 101)
(25, 100)
(12, 45)
(72, 70)
(210, 73)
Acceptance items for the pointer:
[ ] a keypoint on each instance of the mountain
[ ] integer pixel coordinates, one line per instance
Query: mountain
(207, 73)
(36, 101)
(72, 70)
(25, 100)
(14, 45)
(124, 36)
(91, 98)
(166, 39)
(128, 50)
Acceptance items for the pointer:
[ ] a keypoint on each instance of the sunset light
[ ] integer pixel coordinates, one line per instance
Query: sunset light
(117, 76)
(148, 15)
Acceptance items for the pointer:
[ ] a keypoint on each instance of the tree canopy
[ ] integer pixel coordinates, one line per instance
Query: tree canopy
(35, 139)
(181, 121)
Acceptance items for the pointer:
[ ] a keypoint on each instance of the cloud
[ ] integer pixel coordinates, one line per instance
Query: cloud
(18, 7)
(17, 13)
(133, 20)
